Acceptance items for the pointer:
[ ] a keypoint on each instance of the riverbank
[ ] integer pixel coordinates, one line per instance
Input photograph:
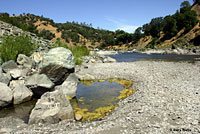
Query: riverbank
(167, 101)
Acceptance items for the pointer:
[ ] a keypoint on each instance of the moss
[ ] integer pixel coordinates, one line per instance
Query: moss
(125, 83)
(125, 93)
(69, 98)
(81, 99)
(98, 113)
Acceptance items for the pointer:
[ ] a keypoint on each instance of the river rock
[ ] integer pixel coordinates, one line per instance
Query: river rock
(9, 65)
(4, 78)
(69, 86)
(85, 76)
(14, 83)
(16, 73)
(37, 56)
(1, 71)
(51, 108)
(25, 61)
(21, 94)
(6, 95)
(39, 84)
(78, 117)
(57, 64)
(109, 60)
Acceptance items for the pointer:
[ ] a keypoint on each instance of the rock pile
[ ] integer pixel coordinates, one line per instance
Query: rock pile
(8, 29)
(48, 76)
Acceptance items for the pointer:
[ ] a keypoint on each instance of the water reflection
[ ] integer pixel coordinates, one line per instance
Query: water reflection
(21, 111)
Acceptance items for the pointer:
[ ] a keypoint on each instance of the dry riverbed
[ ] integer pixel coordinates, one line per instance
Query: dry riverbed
(167, 101)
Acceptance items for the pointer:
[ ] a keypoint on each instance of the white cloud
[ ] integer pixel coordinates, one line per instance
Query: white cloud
(121, 24)
(128, 28)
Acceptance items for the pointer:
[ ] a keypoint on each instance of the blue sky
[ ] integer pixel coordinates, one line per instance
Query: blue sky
(106, 14)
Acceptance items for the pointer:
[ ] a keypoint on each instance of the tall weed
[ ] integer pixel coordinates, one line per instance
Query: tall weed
(12, 46)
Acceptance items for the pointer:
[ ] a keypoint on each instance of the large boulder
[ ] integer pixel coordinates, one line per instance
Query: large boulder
(6, 95)
(51, 108)
(69, 86)
(9, 65)
(39, 84)
(21, 94)
(57, 64)
(25, 61)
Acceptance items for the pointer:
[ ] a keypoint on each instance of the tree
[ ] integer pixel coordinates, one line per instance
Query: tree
(170, 28)
(124, 38)
(146, 29)
(138, 34)
(47, 34)
(186, 19)
(185, 4)
(156, 26)
(196, 1)
(117, 32)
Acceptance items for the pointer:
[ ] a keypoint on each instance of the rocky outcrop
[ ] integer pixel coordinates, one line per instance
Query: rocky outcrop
(57, 61)
(21, 94)
(51, 108)
(39, 84)
(6, 95)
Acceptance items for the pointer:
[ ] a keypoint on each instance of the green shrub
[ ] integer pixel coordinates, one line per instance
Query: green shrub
(78, 52)
(12, 46)
(47, 34)
(59, 43)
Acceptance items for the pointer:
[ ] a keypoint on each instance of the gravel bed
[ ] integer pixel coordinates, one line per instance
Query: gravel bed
(167, 101)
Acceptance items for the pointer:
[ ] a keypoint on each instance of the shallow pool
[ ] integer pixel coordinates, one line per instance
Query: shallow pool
(100, 96)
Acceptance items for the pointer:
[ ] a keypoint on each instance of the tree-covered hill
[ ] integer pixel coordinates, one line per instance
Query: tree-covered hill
(73, 33)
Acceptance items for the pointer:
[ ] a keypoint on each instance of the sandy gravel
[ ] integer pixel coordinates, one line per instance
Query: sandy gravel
(167, 101)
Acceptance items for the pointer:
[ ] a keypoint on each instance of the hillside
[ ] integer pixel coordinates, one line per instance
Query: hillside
(71, 32)
(183, 38)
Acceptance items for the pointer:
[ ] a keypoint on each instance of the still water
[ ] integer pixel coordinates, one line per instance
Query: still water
(100, 93)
